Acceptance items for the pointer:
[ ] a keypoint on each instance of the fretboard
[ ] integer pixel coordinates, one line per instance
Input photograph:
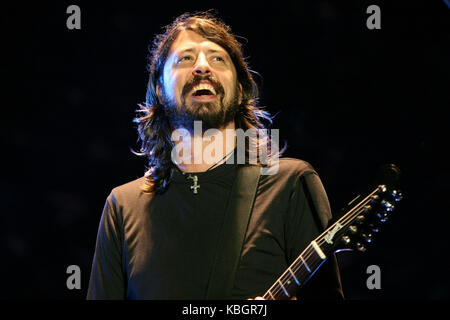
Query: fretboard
(317, 251)
(297, 274)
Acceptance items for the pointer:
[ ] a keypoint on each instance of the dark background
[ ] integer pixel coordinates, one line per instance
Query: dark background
(348, 99)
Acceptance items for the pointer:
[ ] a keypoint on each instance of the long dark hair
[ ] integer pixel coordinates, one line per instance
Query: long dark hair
(153, 125)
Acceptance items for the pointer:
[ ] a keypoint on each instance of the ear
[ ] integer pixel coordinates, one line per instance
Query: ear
(158, 92)
(240, 93)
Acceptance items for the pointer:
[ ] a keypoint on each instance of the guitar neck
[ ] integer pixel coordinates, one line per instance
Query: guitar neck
(297, 274)
(316, 253)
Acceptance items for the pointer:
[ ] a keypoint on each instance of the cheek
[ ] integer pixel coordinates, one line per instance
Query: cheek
(232, 88)
(231, 81)
(172, 88)
(171, 84)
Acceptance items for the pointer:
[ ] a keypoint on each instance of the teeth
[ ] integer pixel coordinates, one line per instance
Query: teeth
(204, 86)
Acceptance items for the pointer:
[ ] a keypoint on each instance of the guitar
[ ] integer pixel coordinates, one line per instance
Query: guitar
(351, 232)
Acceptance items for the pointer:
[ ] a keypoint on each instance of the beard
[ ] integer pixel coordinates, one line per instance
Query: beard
(212, 114)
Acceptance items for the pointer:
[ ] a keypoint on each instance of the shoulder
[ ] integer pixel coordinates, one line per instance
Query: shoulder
(296, 167)
(288, 168)
(129, 192)
(285, 173)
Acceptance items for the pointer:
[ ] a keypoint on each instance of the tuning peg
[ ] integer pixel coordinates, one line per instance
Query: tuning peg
(360, 219)
(382, 188)
(353, 229)
(367, 236)
(397, 195)
(360, 247)
(388, 206)
(382, 216)
(374, 199)
(346, 239)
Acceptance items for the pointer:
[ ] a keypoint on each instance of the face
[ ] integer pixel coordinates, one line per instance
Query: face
(199, 82)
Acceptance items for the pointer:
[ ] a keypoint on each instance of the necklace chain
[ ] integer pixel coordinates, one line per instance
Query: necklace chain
(194, 177)
(213, 166)
(217, 163)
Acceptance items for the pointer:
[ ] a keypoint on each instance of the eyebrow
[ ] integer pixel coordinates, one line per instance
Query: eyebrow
(192, 50)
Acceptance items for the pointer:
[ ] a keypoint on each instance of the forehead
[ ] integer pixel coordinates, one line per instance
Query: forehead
(190, 40)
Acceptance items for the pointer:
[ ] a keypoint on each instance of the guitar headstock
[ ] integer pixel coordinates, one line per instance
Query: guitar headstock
(355, 229)
(367, 219)
(362, 217)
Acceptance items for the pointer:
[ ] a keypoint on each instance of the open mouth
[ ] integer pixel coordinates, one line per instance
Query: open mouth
(203, 92)
(203, 89)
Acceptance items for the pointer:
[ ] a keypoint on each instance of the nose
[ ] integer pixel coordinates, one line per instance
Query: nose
(202, 66)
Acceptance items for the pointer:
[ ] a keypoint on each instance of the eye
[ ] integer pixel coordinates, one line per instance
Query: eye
(184, 59)
(218, 59)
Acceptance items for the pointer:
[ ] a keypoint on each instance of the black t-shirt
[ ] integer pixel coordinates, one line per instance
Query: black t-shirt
(163, 246)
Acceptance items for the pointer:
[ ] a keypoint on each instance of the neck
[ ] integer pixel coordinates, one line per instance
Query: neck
(204, 149)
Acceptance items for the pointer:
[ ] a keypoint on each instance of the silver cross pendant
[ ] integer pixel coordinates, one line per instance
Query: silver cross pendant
(195, 186)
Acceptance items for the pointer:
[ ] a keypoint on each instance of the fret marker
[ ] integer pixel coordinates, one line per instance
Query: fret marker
(307, 268)
(293, 276)
(284, 290)
(318, 250)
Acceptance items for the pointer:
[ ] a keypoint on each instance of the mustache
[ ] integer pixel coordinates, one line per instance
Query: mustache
(197, 79)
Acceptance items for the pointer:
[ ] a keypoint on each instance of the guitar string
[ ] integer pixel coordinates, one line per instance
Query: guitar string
(277, 290)
(309, 251)
(350, 215)
(359, 208)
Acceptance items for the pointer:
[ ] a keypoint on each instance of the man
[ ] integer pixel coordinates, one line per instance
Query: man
(167, 235)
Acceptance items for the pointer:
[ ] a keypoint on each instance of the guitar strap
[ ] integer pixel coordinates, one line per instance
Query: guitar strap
(231, 239)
